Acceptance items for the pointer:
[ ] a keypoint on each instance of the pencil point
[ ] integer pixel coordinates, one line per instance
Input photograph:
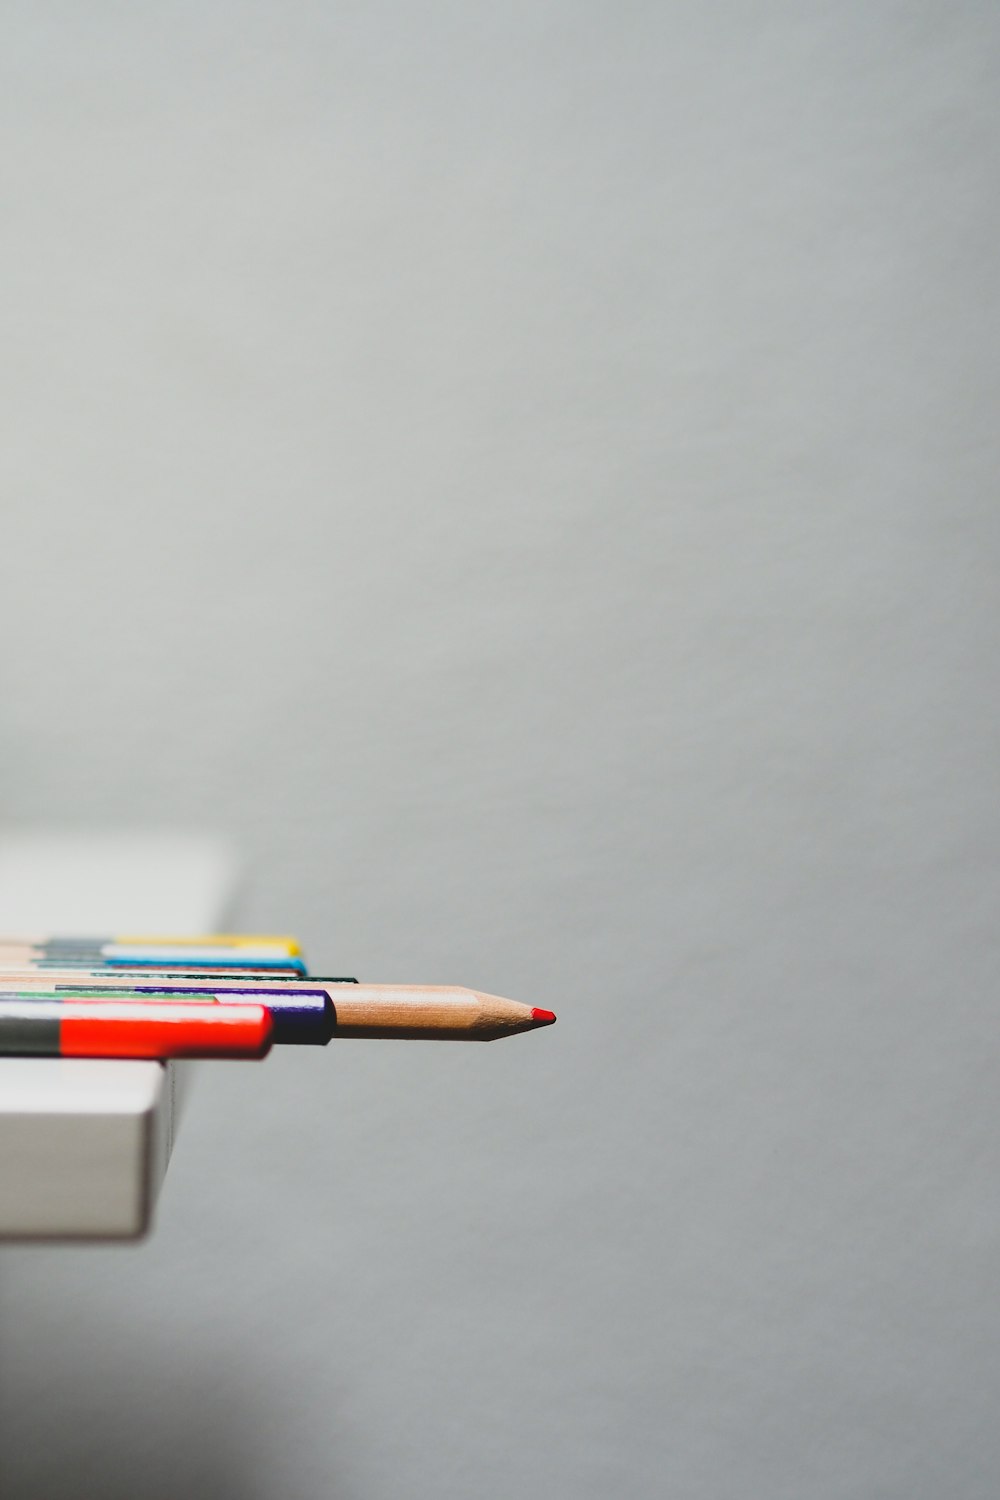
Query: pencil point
(542, 1017)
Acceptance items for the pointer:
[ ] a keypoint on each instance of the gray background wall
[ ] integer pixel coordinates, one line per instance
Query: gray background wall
(528, 474)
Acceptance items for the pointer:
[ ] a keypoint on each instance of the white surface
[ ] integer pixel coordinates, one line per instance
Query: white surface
(67, 885)
(67, 1086)
(84, 1144)
(535, 467)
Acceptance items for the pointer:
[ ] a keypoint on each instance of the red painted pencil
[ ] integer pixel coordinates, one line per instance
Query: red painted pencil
(83, 1028)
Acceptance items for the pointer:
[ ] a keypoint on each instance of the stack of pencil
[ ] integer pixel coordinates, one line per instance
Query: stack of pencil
(224, 995)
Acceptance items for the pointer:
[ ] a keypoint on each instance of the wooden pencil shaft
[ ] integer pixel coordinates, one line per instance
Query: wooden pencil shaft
(442, 1012)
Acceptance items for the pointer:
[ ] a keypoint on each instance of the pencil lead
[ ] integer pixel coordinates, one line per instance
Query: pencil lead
(542, 1017)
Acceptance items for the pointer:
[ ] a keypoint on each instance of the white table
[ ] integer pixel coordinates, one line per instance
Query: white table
(84, 1144)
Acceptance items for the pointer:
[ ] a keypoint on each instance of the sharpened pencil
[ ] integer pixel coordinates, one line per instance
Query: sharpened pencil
(429, 1013)
(389, 1011)
(319, 1010)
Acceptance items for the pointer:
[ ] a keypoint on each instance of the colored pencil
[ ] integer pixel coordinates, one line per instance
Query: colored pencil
(132, 1028)
(18, 974)
(78, 948)
(413, 1012)
(216, 939)
(227, 960)
(300, 1017)
(223, 952)
(315, 1011)
(212, 940)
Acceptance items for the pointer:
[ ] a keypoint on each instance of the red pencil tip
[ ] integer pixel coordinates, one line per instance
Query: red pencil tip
(542, 1017)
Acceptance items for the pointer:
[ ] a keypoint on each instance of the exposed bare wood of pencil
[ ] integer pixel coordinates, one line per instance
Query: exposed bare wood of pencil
(437, 1012)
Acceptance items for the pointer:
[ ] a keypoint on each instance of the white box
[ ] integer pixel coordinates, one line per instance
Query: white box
(84, 1143)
